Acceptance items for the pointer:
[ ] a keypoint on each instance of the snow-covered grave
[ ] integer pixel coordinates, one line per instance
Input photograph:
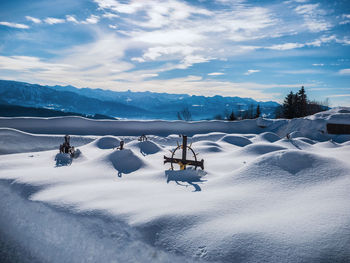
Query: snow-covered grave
(261, 198)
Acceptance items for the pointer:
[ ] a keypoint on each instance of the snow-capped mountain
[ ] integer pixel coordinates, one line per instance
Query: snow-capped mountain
(128, 104)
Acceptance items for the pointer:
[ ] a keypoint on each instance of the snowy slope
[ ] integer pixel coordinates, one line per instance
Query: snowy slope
(261, 197)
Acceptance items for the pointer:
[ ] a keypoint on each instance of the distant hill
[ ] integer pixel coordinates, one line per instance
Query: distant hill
(37, 96)
(20, 111)
(125, 104)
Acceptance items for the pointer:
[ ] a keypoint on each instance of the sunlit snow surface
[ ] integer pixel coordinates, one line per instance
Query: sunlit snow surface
(261, 198)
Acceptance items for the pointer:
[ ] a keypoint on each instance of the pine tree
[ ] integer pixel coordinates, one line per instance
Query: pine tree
(232, 116)
(258, 112)
(302, 102)
(289, 106)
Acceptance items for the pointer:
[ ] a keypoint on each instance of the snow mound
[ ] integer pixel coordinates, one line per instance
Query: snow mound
(236, 140)
(63, 159)
(261, 149)
(125, 161)
(327, 144)
(213, 136)
(295, 134)
(293, 161)
(148, 147)
(107, 142)
(295, 166)
(269, 136)
(189, 175)
(207, 147)
(307, 140)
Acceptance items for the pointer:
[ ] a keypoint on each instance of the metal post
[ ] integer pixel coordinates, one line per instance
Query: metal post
(184, 148)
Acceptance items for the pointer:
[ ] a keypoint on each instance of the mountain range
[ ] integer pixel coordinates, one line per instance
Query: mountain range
(124, 104)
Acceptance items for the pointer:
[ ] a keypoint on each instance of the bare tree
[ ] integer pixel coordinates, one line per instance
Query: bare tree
(185, 115)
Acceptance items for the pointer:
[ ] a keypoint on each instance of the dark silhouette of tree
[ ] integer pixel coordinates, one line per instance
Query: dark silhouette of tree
(301, 103)
(289, 106)
(279, 112)
(297, 105)
(258, 112)
(185, 115)
(218, 117)
(232, 116)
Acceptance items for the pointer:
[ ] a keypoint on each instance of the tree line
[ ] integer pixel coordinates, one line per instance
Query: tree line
(251, 113)
(296, 105)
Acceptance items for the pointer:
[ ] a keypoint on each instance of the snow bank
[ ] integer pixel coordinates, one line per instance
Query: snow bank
(83, 126)
(312, 127)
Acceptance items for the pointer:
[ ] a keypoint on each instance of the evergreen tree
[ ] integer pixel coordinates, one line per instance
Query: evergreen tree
(232, 116)
(289, 106)
(258, 112)
(302, 102)
(297, 105)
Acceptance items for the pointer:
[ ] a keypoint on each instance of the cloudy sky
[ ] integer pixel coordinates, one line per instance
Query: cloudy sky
(258, 49)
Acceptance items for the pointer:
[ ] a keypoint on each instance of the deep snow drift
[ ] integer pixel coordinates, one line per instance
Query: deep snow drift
(261, 198)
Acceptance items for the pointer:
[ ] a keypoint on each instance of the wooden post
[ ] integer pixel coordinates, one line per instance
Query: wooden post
(184, 148)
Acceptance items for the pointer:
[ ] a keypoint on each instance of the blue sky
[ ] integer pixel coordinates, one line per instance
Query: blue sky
(258, 49)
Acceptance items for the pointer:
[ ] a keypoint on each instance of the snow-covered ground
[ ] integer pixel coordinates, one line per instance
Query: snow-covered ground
(261, 198)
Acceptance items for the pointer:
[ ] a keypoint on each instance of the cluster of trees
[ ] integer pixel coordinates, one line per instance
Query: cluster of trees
(250, 113)
(297, 105)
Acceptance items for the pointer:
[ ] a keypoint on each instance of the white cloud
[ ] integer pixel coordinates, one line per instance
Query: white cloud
(71, 18)
(29, 64)
(315, 43)
(324, 39)
(14, 25)
(345, 71)
(110, 15)
(216, 74)
(339, 95)
(344, 41)
(318, 65)
(149, 75)
(302, 71)
(251, 71)
(92, 19)
(33, 19)
(158, 13)
(286, 46)
(113, 26)
(52, 20)
(188, 61)
(313, 17)
(168, 37)
(308, 9)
